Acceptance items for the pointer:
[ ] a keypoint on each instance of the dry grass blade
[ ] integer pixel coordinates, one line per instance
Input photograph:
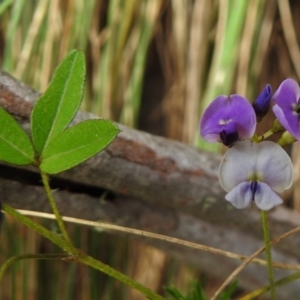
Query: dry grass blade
(216, 77)
(263, 41)
(249, 259)
(180, 32)
(293, 48)
(197, 53)
(235, 273)
(12, 36)
(171, 239)
(174, 65)
(53, 29)
(289, 33)
(33, 31)
(245, 49)
(149, 12)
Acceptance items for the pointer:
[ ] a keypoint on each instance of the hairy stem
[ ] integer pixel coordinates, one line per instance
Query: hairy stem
(260, 291)
(16, 258)
(54, 208)
(265, 135)
(77, 255)
(265, 226)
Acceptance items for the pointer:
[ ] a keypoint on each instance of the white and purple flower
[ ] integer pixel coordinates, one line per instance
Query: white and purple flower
(228, 120)
(255, 172)
(287, 106)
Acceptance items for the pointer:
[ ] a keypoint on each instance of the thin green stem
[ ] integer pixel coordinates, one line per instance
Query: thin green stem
(77, 255)
(264, 219)
(262, 290)
(92, 262)
(265, 135)
(286, 139)
(56, 239)
(15, 258)
(54, 208)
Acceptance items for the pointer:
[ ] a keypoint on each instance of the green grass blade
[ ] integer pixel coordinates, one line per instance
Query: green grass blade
(228, 293)
(15, 145)
(16, 13)
(104, 86)
(148, 15)
(77, 144)
(222, 75)
(4, 5)
(59, 104)
(232, 16)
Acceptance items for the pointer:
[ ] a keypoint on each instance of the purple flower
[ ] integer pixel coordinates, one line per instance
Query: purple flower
(262, 103)
(287, 106)
(227, 120)
(255, 172)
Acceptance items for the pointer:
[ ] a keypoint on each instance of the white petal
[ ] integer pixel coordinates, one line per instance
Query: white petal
(275, 166)
(266, 160)
(265, 197)
(237, 164)
(240, 196)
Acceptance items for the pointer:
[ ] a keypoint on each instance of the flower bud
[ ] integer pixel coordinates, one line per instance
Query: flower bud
(286, 139)
(262, 103)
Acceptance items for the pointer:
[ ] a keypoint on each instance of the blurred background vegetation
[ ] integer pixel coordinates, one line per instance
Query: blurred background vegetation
(153, 65)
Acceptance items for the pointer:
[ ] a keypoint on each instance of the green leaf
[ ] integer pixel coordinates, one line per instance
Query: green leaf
(15, 145)
(77, 144)
(227, 294)
(58, 105)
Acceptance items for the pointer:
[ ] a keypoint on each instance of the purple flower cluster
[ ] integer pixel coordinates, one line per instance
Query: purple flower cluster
(250, 171)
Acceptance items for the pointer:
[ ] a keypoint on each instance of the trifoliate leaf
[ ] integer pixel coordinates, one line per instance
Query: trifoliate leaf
(15, 145)
(77, 144)
(58, 105)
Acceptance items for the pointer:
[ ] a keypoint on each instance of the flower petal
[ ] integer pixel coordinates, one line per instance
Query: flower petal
(286, 103)
(262, 103)
(265, 197)
(240, 196)
(247, 161)
(287, 94)
(224, 110)
(288, 119)
(237, 164)
(229, 135)
(274, 165)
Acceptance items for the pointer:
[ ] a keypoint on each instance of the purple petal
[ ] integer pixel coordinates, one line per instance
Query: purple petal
(262, 104)
(286, 106)
(287, 94)
(288, 119)
(224, 110)
(229, 135)
(265, 198)
(240, 196)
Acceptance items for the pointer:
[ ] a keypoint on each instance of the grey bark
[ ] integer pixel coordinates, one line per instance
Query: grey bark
(158, 185)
